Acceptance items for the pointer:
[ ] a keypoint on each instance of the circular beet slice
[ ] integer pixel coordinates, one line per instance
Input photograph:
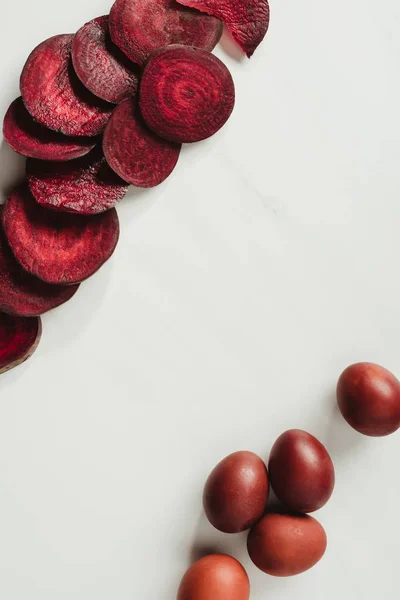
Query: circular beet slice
(139, 27)
(86, 186)
(59, 248)
(100, 65)
(133, 151)
(19, 338)
(22, 294)
(186, 94)
(29, 138)
(54, 95)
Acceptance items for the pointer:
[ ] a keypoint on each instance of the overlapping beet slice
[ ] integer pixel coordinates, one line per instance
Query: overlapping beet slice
(59, 248)
(133, 151)
(100, 65)
(29, 138)
(86, 186)
(247, 20)
(19, 338)
(54, 95)
(22, 294)
(186, 94)
(139, 27)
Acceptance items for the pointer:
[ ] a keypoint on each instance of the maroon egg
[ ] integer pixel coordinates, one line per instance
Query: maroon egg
(215, 577)
(301, 471)
(236, 492)
(285, 544)
(369, 399)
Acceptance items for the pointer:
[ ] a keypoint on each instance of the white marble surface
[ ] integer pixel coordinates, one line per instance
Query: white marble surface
(239, 290)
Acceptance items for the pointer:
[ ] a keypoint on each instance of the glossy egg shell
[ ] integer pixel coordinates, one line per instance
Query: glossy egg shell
(301, 471)
(236, 492)
(286, 544)
(369, 399)
(215, 577)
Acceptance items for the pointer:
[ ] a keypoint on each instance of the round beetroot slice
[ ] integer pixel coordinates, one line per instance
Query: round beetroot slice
(139, 27)
(247, 20)
(186, 94)
(85, 186)
(54, 95)
(100, 65)
(59, 248)
(29, 138)
(21, 293)
(19, 338)
(133, 151)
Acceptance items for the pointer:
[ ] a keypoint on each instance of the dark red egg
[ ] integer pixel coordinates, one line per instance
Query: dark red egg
(215, 577)
(236, 493)
(301, 471)
(369, 399)
(285, 544)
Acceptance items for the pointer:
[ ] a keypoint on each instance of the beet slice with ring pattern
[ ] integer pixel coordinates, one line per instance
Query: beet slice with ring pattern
(139, 27)
(21, 293)
(85, 186)
(133, 151)
(100, 65)
(19, 338)
(186, 94)
(54, 95)
(59, 248)
(29, 138)
(247, 20)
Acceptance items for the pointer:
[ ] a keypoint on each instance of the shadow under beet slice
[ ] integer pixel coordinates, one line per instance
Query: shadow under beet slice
(247, 20)
(54, 95)
(19, 338)
(85, 186)
(29, 138)
(59, 248)
(138, 27)
(133, 151)
(100, 65)
(186, 94)
(21, 293)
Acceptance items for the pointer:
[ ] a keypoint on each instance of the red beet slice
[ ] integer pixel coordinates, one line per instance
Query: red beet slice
(247, 20)
(86, 186)
(21, 293)
(19, 338)
(138, 27)
(133, 151)
(29, 138)
(100, 65)
(57, 248)
(186, 94)
(54, 95)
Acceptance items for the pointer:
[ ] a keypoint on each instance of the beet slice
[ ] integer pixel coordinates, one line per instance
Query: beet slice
(85, 186)
(59, 248)
(22, 294)
(139, 27)
(100, 65)
(19, 338)
(186, 94)
(29, 138)
(133, 151)
(247, 20)
(54, 95)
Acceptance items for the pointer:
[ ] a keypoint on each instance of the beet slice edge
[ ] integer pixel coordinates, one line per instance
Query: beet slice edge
(54, 95)
(59, 248)
(139, 27)
(85, 186)
(19, 338)
(186, 94)
(100, 65)
(247, 20)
